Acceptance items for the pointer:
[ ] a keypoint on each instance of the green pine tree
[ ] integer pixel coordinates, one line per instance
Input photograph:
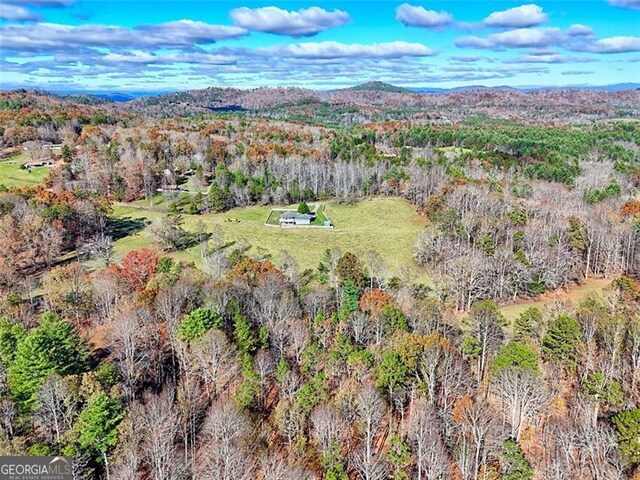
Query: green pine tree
(198, 322)
(515, 465)
(627, 425)
(10, 334)
(526, 326)
(96, 426)
(562, 342)
(243, 333)
(400, 457)
(52, 347)
(303, 207)
(216, 198)
(516, 355)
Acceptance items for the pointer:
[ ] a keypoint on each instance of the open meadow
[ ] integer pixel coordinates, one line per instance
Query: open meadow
(389, 226)
(13, 175)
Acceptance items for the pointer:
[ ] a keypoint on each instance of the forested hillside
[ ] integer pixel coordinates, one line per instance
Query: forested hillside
(142, 335)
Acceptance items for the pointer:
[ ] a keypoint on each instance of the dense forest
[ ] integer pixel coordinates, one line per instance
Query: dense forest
(138, 364)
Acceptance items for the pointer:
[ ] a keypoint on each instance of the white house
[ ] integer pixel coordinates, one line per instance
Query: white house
(294, 218)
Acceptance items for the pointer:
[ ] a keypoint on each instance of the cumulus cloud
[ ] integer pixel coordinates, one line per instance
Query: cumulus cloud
(149, 58)
(417, 16)
(518, 38)
(302, 23)
(189, 31)
(577, 38)
(465, 58)
(15, 13)
(336, 50)
(631, 4)
(611, 45)
(518, 17)
(549, 58)
(43, 37)
(578, 30)
(537, 37)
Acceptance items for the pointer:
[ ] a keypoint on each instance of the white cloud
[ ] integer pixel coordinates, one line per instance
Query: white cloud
(417, 16)
(519, 38)
(612, 45)
(336, 50)
(549, 58)
(578, 38)
(301, 23)
(631, 4)
(577, 72)
(15, 13)
(149, 58)
(578, 30)
(518, 17)
(537, 37)
(43, 37)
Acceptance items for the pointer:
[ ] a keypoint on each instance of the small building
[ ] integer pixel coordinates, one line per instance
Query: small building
(295, 218)
(172, 187)
(41, 162)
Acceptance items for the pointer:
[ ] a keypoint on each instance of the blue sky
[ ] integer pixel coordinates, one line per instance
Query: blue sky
(170, 45)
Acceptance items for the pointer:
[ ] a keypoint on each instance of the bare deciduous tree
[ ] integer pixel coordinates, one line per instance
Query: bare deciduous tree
(523, 397)
(423, 434)
(224, 454)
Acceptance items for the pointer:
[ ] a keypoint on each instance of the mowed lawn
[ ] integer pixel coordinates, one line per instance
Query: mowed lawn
(389, 226)
(12, 175)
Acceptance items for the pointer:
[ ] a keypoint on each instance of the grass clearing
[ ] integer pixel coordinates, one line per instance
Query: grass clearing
(274, 218)
(320, 216)
(454, 150)
(574, 294)
(13, 175)
(389, 226)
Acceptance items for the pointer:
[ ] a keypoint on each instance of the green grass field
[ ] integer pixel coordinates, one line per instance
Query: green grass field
(321, 217)
(11, 175)
(389, 226)
(454, 150)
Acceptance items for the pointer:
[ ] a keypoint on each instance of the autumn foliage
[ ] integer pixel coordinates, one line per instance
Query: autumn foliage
(251, 269)
(137, 268)
(373, 301)
(631, 207)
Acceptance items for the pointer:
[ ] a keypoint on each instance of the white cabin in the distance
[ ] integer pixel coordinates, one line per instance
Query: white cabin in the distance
(294, 218)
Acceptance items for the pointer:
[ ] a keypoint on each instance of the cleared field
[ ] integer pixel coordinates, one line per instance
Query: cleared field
(454, 150)
(574, 294)
(389, 226)
(12, 175)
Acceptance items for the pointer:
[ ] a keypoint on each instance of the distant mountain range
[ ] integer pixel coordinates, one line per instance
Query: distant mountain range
(376, 86)
(600, 88)
(371, 101)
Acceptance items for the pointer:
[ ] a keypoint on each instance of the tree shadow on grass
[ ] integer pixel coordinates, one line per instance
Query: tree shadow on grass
(125, 226)
(193, 239)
